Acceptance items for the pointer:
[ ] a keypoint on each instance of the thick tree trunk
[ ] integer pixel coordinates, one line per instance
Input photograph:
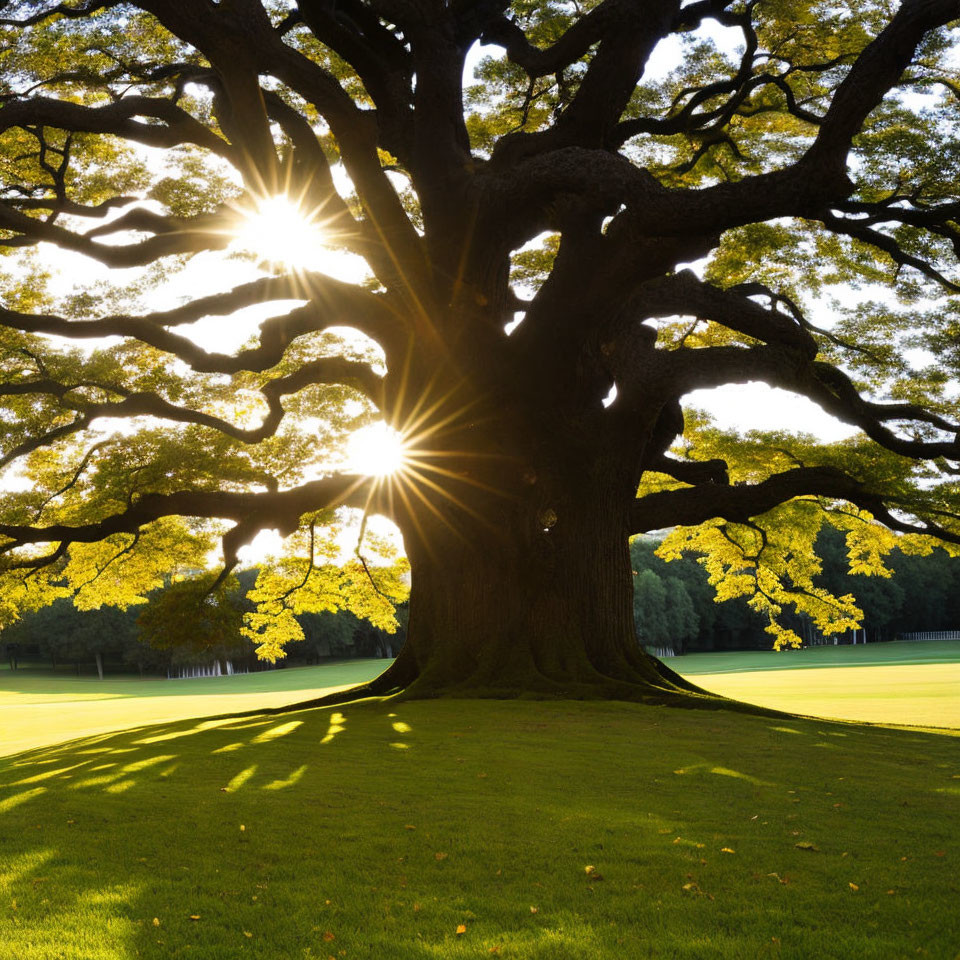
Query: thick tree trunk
(547, 613)
(516, 515)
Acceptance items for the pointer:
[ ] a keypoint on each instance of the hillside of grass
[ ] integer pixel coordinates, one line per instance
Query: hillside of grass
(456, 829)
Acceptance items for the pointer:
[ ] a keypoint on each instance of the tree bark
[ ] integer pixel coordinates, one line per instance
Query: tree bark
(544, 609)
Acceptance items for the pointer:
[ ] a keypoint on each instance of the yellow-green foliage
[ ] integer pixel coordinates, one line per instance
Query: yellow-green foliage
(773, 565)
(309, 579)
(772, 559)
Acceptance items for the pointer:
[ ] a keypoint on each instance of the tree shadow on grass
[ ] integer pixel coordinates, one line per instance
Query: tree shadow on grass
(379, 829)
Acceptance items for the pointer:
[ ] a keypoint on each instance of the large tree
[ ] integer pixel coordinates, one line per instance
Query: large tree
(794, 146)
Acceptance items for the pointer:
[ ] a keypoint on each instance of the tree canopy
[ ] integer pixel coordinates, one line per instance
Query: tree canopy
(624, 203)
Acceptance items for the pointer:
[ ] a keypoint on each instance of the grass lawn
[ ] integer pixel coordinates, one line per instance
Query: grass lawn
(894, 683)
(38, 710)
(378, 830)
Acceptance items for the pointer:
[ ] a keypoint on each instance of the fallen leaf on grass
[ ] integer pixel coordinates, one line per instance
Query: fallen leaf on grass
(806, 845)
(156, 921)
(440, 856)
(247, 934)
(461, 929)
(328, 936)
(727, 850)
(534, 909)
(194, 916)
(854, 886)
(409, 826)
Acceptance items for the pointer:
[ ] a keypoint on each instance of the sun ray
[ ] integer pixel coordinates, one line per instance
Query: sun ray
(432, 507)
(453, 498)
(413, 465)
(414, 516)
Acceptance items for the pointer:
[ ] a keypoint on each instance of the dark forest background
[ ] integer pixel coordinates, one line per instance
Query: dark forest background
(674, 610)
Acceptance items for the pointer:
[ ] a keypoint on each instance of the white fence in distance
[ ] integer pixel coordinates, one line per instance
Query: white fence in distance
(207, 670)
(931, 635)
(661, 652)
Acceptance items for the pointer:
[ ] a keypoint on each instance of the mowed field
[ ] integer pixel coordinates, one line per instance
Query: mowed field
(911, 684)
(447, 830)
(37, 710)
(914, 684)
(450, 830)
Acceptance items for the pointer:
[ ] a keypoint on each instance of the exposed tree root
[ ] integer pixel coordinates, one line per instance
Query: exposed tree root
(634, 684)
(532, 685)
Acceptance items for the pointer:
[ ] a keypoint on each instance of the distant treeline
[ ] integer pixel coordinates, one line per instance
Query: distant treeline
(674, 608)
(62, 637)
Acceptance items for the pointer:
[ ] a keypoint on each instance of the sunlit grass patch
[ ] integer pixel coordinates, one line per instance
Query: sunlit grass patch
(903, 683)
(38, 710)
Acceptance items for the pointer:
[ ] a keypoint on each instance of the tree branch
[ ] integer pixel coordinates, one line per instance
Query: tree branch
(281, 510)
(332, 303)
(694, 505)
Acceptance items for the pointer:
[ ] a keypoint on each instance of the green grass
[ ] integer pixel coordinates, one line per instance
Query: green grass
(100, 836)
(894, 683)
(39, 709)
(386, 826)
